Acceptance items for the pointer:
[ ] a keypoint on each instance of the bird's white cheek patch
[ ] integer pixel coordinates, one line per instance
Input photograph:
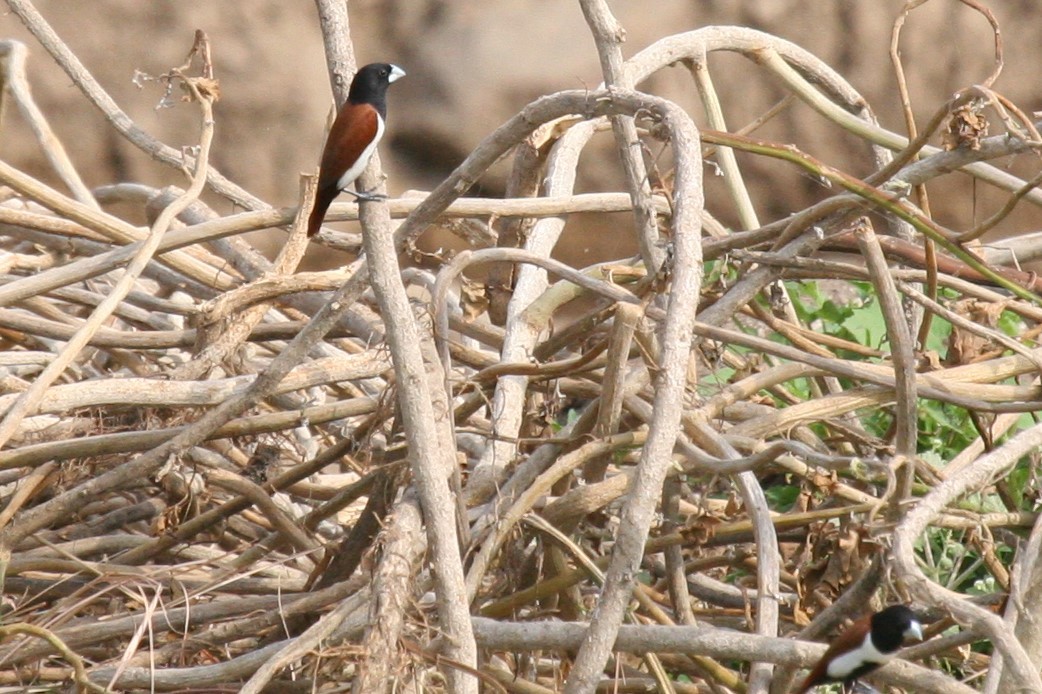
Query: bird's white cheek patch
(356, 170)
(841, 667)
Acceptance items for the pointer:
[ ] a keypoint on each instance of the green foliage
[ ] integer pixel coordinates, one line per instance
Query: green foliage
(1021, 484)
(951, 557)
(781, 497)
(944, 430)
(856, 319)
(946, 559)
(720, 271)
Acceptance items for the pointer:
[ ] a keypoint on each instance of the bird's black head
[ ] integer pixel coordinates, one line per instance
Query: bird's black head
(370, 84)
(890, 627)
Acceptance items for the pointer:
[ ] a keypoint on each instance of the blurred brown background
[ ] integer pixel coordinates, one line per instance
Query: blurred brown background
(472, 64)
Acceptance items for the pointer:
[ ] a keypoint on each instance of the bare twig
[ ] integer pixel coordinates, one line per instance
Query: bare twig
(669, 396)
(12, 62)
(29, 400)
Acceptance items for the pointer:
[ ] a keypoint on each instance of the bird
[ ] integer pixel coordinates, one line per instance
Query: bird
(353, 137)
(866, 645)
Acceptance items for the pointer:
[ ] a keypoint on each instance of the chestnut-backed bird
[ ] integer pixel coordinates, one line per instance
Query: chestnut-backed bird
(866, 645)
(357, 129)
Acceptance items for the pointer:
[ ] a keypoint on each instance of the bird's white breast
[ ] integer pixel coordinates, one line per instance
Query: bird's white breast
(356, 169)
(841, 666)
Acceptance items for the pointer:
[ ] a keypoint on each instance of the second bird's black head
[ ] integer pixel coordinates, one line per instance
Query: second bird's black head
(891, 626)
(370, 85)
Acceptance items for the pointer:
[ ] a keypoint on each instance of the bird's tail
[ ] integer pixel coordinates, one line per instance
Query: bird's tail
(318, 213)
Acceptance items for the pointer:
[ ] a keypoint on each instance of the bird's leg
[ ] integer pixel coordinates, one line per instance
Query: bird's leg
(366, 196)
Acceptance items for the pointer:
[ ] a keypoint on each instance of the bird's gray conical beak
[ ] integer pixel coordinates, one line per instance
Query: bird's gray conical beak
(396, 73)
(914, 630)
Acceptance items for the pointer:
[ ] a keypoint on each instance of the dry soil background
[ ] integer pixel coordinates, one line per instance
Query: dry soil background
(471, 65)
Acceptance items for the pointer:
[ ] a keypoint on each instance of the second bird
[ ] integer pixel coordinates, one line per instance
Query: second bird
(353, 137)
(869, 643)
